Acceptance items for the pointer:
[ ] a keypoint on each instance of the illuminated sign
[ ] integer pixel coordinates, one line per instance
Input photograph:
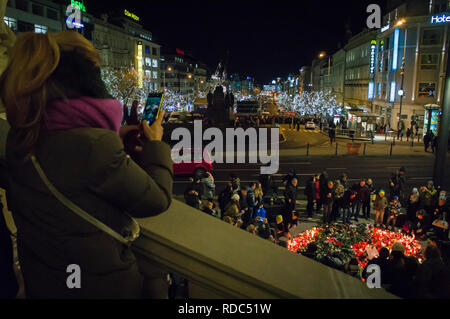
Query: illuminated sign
(131, 15)
(385, 28)
(139, 64)
(379, 88)
(78, 4)
(373, 49)
(73, 14)
(395, 54)
(392, 95)
(180, 52)
(440, 19)
(371, 90)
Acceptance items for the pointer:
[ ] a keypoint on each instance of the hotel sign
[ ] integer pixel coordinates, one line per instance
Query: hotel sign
(440, 19)
(131, 15)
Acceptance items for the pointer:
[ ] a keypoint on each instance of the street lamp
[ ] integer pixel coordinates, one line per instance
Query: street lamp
(169, 69)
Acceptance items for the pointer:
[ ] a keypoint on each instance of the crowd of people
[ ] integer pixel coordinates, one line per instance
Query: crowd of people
(423, 212)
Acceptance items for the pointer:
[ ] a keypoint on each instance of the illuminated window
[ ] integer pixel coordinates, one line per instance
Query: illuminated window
(427, 90)
(155, 74)
(148, 73)
(40, 28)
(148, 62)
(11, 23)
(428, 61)
(147, 49)
(155, 63)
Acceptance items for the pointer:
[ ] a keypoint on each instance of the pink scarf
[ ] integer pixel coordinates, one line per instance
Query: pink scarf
(83, 112)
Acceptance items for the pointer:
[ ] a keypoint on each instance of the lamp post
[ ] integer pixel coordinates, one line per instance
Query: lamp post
(169, 69)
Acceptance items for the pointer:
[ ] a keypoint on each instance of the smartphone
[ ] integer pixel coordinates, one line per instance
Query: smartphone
(152, 107)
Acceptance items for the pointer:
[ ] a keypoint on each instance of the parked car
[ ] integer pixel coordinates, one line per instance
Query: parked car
(189, 167)
(176, 117)
(310, 125)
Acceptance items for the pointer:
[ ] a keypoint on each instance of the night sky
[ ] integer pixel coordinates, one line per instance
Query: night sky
(263, 39)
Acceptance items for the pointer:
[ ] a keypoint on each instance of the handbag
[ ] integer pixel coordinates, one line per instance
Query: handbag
(131, 233)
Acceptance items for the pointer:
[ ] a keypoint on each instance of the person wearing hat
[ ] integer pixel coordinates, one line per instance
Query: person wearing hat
(400, 272)
(379, 206)
(428, 196)
(280, 228)
(233, 209)
(393, 212)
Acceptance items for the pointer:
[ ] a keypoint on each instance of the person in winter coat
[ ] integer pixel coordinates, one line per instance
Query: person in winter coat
(251, 200)
(432, 280)
(290, 198)
(400, 272)
(428, 197)
(393, 212)
(323, 187)
(63, 119)
(344, 181)
(338, 195)
(328, 203)
(209, 209)
(363, 195)
(311, 193)
(233, 209)
(225, 196)
(442, 213)
(413, 205)
(235, 183)
(348, 204)
(208, 187)
(422, 224)
(397, 184)
(366, 208)
(192, 193)
(379, 207)
(243, 204)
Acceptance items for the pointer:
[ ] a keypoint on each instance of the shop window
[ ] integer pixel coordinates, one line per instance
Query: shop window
(427, 90)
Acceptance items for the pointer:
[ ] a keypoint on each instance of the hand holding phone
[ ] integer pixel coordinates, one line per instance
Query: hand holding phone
(153, 107)
(155, 131)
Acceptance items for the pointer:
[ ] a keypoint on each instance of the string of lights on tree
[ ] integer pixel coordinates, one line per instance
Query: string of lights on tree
(309, 103)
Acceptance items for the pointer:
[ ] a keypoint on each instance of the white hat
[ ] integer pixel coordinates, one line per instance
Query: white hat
(235, 197)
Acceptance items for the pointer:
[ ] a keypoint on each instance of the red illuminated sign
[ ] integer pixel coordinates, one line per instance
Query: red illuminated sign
(181, 52)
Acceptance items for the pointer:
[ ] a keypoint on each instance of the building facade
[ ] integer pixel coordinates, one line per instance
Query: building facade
(121, 41)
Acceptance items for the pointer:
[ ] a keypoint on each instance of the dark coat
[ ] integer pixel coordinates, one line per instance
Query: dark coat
(90, 167)
(347, 200)
(290, 194)
(310, 189)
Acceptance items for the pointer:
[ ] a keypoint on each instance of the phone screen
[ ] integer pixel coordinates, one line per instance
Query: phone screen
(152, 107)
